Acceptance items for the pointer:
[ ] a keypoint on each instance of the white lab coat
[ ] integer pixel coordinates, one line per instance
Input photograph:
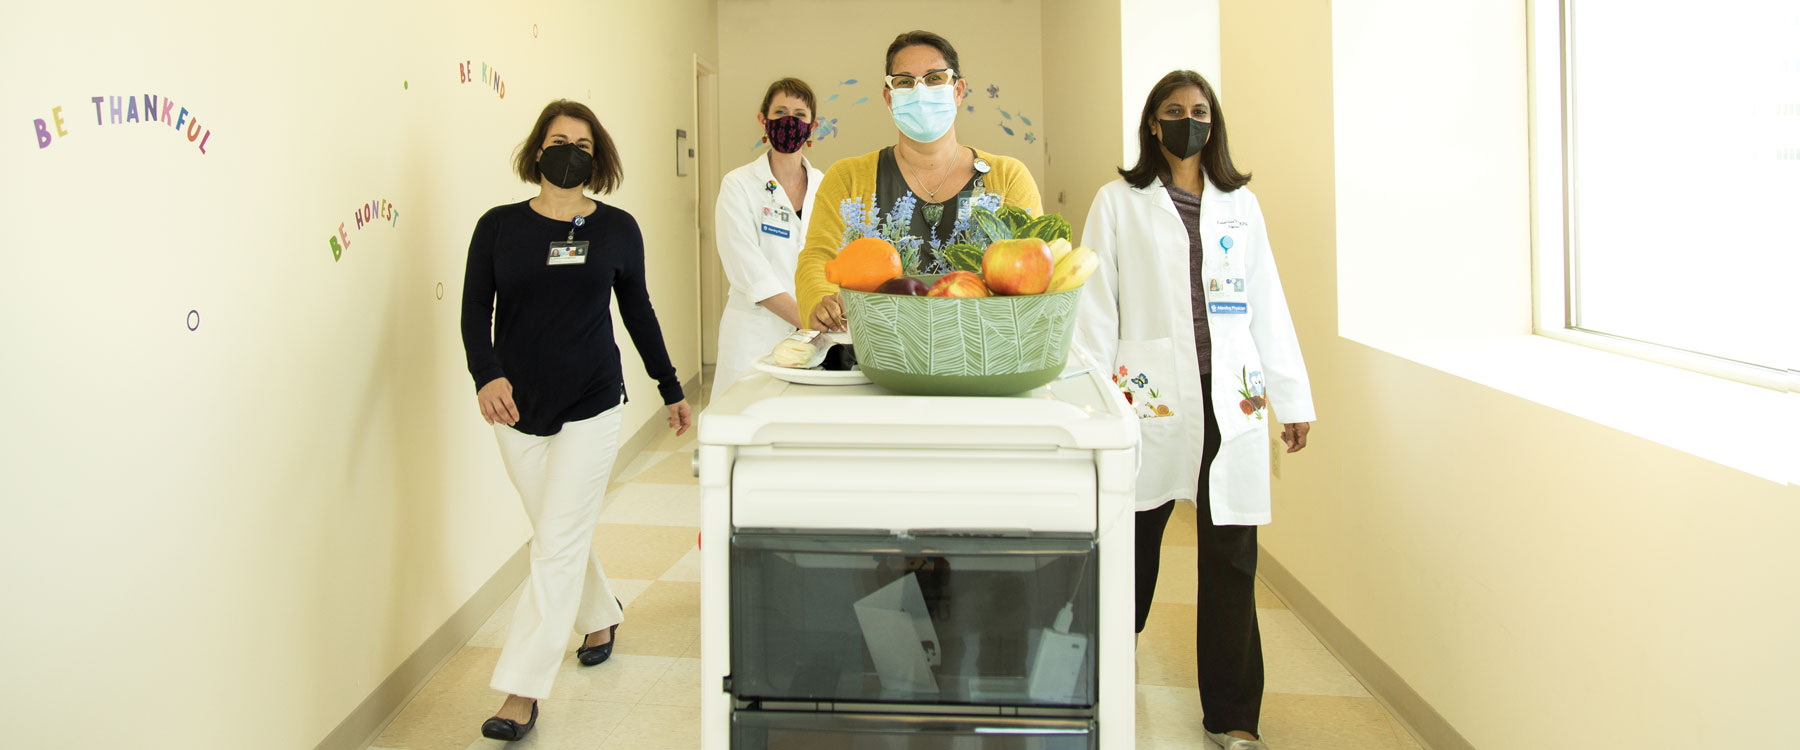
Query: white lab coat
(750, 220)
(1137, 314)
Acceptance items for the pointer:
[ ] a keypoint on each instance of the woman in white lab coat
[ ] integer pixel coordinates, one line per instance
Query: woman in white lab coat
(761, 226)
(1187, 311)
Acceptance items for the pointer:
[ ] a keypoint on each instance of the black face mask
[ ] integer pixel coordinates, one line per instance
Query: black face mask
(1185, 136)
(565, 165)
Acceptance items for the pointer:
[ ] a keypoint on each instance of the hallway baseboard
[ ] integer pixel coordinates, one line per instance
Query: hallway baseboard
(1427, 725)
(385, 702)
(364, 724)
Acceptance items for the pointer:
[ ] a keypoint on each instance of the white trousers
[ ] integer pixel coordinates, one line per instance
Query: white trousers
(562, 481)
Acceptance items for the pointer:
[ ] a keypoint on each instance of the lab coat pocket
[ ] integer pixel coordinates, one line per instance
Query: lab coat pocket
(1146, 375)
(1239, 398)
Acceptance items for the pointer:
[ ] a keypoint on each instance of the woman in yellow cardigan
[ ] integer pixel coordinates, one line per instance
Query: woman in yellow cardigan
(924, 89)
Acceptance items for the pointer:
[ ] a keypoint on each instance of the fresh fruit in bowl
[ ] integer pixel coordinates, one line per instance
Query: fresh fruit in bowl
(1015, 267)
(958, 284)
(864, 264)
(905, 285)
(1073, 269)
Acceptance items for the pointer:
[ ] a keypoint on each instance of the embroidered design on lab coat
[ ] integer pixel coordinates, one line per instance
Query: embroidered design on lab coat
(1250, 386)
(1140, 395)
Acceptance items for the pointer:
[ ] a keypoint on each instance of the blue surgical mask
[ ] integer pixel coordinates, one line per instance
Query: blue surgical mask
(925, 113)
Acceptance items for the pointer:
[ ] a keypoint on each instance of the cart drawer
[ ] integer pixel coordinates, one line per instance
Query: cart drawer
(776, 730)
(935, 620)
(899, 492)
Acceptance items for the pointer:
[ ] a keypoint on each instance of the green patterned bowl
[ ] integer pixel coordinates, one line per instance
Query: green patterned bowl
(961, 346)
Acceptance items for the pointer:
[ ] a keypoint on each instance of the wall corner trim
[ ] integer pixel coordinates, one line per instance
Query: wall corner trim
(1427, 726)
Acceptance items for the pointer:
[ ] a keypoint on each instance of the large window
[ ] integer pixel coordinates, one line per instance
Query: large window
(1667, 161)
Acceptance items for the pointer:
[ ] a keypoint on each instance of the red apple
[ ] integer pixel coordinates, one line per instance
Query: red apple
(1014, 267)
(905, 285)
(958, 284)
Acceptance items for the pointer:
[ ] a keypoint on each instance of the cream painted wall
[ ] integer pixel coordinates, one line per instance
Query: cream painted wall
(245, 527)
(1539, 579)
(829, 42)
(1159, 37)
(1082, 54)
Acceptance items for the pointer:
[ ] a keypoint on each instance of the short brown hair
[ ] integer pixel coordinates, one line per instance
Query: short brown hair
(915, 38)
(793, 87)
(607, 176)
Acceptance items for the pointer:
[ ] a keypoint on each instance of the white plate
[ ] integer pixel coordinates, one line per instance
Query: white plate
(814, 376)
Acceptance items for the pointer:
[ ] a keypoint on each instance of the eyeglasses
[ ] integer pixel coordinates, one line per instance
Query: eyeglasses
(930, 79)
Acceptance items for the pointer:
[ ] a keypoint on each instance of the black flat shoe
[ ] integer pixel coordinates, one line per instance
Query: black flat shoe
(592, 655)
(496, 728)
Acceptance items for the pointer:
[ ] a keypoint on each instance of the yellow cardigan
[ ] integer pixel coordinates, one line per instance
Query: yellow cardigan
(855, 177)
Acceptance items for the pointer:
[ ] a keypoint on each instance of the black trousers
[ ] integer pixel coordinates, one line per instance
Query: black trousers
(1227, 642)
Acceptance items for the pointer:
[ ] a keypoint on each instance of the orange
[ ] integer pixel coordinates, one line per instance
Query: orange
(864, 264)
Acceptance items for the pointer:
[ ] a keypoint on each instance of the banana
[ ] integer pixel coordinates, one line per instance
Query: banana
(1073, 270)
(1059, 247)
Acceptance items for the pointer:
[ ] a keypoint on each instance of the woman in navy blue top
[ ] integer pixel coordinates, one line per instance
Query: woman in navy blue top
(548, 378)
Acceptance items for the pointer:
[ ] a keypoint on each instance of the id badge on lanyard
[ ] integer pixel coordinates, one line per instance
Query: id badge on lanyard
(776, 219)
(569, 252)
(1225, 293)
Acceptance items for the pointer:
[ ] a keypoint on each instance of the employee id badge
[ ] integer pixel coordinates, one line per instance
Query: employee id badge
(571, 253)
(1225, 293)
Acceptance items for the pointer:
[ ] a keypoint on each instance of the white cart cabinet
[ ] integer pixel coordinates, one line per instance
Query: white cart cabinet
(888, 571)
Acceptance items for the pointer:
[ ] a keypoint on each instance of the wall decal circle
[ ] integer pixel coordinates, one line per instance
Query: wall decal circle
(440, 290)
(193, 320)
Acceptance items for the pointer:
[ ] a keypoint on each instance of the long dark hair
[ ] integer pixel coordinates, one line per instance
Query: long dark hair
(1215, 156)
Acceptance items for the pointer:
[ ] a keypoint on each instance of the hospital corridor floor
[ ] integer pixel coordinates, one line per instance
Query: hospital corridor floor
(646, 697)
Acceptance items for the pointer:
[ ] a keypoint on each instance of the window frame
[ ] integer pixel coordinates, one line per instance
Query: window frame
(1555, 271)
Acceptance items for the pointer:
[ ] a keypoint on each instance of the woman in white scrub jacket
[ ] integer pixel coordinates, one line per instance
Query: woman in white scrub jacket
(1187, 311)
(761, 225)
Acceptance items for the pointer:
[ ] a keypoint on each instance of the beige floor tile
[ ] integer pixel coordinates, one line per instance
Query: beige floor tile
(493, 632)
(685, 569)
(1177, 576)
(1266, 599)
(1180, 531)
(677, 468)
(672, 443)
(1315, 722)
(563, 724)
(1168, 713)
(679, 686)
(1308, 672)
(664, 621)
(1198, 743)
(624, 678)
(1402, 738)
(1165, 652)
(653, 727)
(693, 650)
(1281, 629)
(447, 713)
(628, 589)
(641, 551)
(653, 505)
(643, 460)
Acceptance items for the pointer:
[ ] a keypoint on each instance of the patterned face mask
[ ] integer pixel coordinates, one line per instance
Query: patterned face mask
(788, 134)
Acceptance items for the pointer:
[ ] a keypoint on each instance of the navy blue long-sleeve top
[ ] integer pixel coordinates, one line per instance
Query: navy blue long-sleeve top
(552, 333)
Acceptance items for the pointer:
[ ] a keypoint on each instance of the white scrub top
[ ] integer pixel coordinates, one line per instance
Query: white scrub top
(759, 237)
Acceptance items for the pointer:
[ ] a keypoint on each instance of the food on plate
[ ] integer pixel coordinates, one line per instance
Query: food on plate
(802, 348)
(1015, 267)
(864, 264)
(959, 284)
(905, 285)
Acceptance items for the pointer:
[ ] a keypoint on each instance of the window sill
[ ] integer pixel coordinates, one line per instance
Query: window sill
(1731, 423)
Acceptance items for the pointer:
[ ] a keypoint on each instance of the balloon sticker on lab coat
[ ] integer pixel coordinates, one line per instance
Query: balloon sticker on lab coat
(1225, 287)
